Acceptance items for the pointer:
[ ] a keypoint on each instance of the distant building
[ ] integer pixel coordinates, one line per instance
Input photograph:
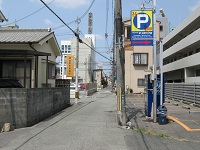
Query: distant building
(86, 58)
(181, 51)
(66, 50)
(98, 75)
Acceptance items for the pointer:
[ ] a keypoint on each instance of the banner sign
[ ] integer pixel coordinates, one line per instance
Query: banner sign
(70, 65)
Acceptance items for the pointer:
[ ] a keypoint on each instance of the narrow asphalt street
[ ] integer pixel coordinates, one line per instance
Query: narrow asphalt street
(90, 124)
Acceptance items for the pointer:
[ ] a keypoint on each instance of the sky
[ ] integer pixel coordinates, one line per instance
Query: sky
(33, 14)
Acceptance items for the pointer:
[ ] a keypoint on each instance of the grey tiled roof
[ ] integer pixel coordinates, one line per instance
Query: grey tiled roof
(23, 35)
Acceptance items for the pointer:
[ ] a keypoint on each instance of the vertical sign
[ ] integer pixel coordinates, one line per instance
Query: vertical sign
(70, 65)
(90, 21)
(141, 28)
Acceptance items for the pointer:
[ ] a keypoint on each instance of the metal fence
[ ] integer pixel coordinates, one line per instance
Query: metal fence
(182, 91)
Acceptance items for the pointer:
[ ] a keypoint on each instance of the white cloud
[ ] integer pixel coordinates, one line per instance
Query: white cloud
(193, 8)
(67, 3)
(48, 22)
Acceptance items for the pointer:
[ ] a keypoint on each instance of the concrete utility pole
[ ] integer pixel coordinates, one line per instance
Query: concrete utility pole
(120, 64)
(77, 61)
(113, 64)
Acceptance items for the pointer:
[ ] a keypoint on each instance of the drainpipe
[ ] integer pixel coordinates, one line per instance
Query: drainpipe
(36, 66)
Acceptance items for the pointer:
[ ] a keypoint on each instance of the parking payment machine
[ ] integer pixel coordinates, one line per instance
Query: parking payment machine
(149, 93)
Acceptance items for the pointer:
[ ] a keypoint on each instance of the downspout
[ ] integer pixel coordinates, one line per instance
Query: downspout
(36, 66)
(25, 57)
(30, 44)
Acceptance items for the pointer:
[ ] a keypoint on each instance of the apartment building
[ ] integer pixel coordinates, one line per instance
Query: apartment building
(181, 49)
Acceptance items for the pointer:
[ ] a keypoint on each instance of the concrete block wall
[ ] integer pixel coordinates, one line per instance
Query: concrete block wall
(13, 107)
(91, 88)
(26, 107)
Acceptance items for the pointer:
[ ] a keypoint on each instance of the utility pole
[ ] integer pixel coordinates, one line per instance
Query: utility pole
(113, 64)
(86, 71)
(77, 61)
(120, 64)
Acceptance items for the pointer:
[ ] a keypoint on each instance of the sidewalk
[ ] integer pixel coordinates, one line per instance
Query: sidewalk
(178, 129)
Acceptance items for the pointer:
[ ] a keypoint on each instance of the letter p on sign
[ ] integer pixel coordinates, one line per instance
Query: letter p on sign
(142, 19)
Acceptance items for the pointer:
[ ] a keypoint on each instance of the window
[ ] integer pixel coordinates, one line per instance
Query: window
(69, 49)
(140, 59)
(141, 82)
(65, 48)
(62, 48)
(51, 71)
(15, 70)
(161, 28)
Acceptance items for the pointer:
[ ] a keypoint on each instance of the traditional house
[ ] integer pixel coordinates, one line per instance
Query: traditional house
(29, 55)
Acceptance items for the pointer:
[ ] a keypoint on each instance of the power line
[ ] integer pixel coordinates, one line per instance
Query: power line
(54, 28)
(76, 34)
(96, 51)
(30, 14)
(60, 19)
(76, 19)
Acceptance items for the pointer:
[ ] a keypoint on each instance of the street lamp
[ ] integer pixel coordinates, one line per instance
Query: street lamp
(162, 12)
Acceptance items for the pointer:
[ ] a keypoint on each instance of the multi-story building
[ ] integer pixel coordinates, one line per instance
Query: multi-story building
(66, 50)
(181, 51)
(86, 58)
(139, 59)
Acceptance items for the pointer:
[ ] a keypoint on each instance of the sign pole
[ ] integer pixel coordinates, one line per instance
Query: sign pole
(154, 66)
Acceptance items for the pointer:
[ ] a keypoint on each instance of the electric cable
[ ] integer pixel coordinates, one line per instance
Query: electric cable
(94, 49)
(29, 14)
(60, 26)
(60, 19)
(106, 28)
(76, 34)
